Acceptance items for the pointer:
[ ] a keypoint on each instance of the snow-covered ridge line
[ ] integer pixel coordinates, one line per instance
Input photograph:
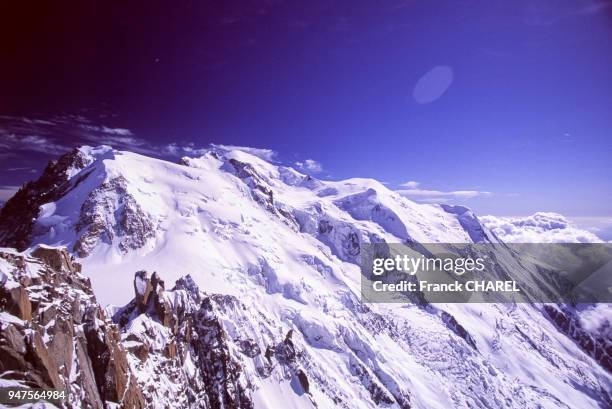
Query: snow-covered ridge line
(280, 249)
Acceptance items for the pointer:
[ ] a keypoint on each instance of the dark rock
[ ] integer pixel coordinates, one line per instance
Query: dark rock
(57, 259)
(250, 348)
(140, 350)
(303, 380)
(170, 351)
(61, 345)
(196, 332)
(38, 355)
(64, 321)
(111, 211)
(17, 302)
(110, 367)
(18, 214)
(458, 329)
(142, 289)
(597, 345)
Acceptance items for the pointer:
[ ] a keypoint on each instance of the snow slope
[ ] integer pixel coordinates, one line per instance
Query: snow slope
(287, 245)
(209, 222)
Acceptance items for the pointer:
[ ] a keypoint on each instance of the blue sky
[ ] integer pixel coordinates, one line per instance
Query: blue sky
(503, 106)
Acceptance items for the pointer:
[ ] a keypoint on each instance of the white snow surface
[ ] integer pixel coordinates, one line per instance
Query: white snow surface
(302, 275)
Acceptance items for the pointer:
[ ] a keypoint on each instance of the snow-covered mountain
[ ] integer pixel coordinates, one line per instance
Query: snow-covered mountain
(266, 306)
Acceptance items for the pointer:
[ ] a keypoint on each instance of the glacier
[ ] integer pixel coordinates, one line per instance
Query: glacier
(274, 254)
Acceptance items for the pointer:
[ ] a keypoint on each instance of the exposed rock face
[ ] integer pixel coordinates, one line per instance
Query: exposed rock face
(57, 260)
(53, 334)
(180, 350)
(110, 212)
(261, 191)
(17, 302)
(599, 346)
(18, 214)
(184, 354)
(170, 348)
(142, 289)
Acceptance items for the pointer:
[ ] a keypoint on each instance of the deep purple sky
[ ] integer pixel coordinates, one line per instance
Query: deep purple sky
(504, 106)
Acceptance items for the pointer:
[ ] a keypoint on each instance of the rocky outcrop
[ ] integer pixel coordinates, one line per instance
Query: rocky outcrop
(597, 345)
(458, 329)
(110, 212)
(18, 214)
(16, 302)
(183, 342)
(190, 349)
(261, 191)
(53, 334)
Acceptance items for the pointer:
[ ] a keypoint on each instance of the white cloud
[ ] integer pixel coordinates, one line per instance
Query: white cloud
(190, 149)
(106, 130)
(411, 184)
(120, 138)
(115, 140)
(436, 196)
(310, 165)
(596, 317)
(265, 154)
(538, 228)
(21, 169)
(182, 149)
(35, 143)
(600, 226)
(61, 133)
(173, 149)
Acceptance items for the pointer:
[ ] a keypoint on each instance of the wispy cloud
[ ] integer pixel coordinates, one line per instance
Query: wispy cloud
(411, 184)
(177, 149)
(265, 154)
(21, 169)
(309, 166)
(35, 143)
(106, 130)
(413, 191)
(58, 134)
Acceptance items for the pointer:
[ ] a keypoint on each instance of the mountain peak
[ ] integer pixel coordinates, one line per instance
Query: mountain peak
(270, 308)
(105, 204)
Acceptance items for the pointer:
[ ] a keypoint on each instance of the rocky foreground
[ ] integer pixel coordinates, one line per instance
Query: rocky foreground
(163, 349)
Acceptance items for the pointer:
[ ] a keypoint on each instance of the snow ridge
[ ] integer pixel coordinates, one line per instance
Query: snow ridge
(272, 259)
